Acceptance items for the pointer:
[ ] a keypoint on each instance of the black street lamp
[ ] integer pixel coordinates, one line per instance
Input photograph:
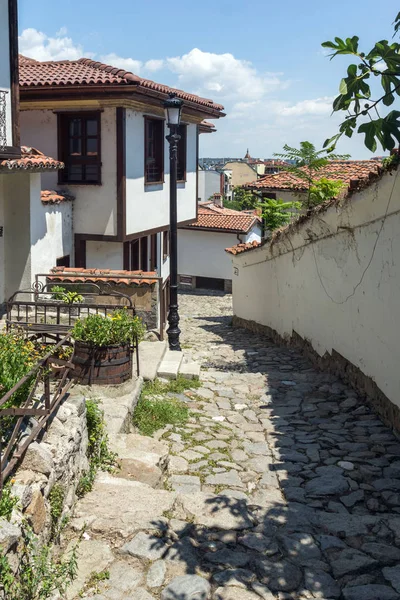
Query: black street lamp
(173, 108)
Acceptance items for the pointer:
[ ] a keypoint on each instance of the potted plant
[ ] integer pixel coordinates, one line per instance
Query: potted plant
(103, 347)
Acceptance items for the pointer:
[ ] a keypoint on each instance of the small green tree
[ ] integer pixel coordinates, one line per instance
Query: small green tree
(381, 64)
(276, 213)
(245, 199)
(307, 162)
(324, 189)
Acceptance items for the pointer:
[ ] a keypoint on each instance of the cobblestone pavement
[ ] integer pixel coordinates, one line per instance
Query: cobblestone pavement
(286, 483)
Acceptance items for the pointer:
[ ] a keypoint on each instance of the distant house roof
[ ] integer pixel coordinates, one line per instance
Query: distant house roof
(54, 197)
(207, 127)
(68, 74)
(239, 248)
(347, 171)
(31, 160)
(73, 274)
(212, 217)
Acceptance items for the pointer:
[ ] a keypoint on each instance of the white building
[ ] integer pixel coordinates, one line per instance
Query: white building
(210, 183)
(31, 224)
(107, 125)
(202, 260)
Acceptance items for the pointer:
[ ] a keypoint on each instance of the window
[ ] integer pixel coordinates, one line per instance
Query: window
(165, 245)
(154, 150)
(139, 255)
(63, 261)
(153, 252)
(181, 167)
(79, 148)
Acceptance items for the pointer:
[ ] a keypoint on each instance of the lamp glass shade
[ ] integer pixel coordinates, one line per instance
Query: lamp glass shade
(173, 108)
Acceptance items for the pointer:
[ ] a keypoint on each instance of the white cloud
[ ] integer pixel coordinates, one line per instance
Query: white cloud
(38, 45)
(154, 65)
(319, 106)
(129, 64)
(223, 75)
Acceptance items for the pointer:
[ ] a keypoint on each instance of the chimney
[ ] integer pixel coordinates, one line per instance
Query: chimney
(218, 200)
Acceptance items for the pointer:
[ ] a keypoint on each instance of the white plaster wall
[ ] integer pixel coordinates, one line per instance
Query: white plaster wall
(340, 292)
(17, 245)
(51, 231)
(104, 255)
(95, 206)
(5, 76)
(209, 183)
(254, 234)
(202, 253)
(164, 270)
(147, 206)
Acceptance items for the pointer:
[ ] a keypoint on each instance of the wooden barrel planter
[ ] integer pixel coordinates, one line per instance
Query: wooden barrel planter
(107, 365)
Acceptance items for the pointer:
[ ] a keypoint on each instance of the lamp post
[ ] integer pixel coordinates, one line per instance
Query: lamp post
(173, 108)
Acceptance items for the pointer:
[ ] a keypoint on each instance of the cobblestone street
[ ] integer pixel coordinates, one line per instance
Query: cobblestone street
(283, 484)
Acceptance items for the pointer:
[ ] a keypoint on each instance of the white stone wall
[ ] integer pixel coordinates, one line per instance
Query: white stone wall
(335, 280)
(104, 255)
(95, 207)
(202, 253)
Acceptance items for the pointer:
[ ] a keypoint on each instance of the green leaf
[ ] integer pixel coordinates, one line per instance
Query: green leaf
(343, 87)
(369, 130)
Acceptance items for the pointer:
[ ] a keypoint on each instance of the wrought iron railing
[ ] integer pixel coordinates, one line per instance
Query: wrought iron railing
(47, 383)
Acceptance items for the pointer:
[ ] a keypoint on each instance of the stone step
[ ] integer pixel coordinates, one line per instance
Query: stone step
(150, 356)
(119, 507)
(170, 364)
(141, 458)
(190, 370)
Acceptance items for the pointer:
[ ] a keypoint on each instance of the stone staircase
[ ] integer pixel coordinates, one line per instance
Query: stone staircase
(156, 360)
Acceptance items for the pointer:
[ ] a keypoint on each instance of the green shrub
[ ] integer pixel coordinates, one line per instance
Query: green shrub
(60, 293)
(39, 574)
(116, 328)
(7, 502)
(151, 415)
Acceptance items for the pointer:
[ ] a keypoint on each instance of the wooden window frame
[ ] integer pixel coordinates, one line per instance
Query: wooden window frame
(161, 158)
(182, 152)
(165, 245)
(63, 119)
(138, 254)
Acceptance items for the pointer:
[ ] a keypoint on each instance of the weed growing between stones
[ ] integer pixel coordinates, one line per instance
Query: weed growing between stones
(56, 499)
(93, 581)
(99, 455)
(7, 502)
(39, 574)
(175, 386)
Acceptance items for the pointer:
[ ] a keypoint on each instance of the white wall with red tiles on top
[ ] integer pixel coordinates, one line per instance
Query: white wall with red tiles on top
(334, 280)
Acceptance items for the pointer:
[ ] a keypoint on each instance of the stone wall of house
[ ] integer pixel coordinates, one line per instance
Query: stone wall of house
(332, 280)
(57, 458)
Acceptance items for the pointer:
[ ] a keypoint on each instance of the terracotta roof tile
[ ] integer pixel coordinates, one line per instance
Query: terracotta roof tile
(54, 197)
(73, 274)
(225, 219)
(31, 160)
(207, 127)
(239, 248)
(347, 171)
(87, 72)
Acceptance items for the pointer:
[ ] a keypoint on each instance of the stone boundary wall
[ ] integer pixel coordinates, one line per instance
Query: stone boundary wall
(58, 457)
(337, 365)
(331, 282)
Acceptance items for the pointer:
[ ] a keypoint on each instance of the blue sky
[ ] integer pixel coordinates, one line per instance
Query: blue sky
(265, 63)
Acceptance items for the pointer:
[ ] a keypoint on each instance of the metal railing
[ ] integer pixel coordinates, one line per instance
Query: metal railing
(48, 384)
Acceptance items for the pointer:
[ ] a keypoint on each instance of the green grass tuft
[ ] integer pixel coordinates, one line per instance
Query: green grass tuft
(151, 415)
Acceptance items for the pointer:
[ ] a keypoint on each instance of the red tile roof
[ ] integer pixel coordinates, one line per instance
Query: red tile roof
(348, 171)
(211, 216)
(87, 72)
(207, 127)
(239, 248)
(31, 160)
(72, 274)
(54, 197)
